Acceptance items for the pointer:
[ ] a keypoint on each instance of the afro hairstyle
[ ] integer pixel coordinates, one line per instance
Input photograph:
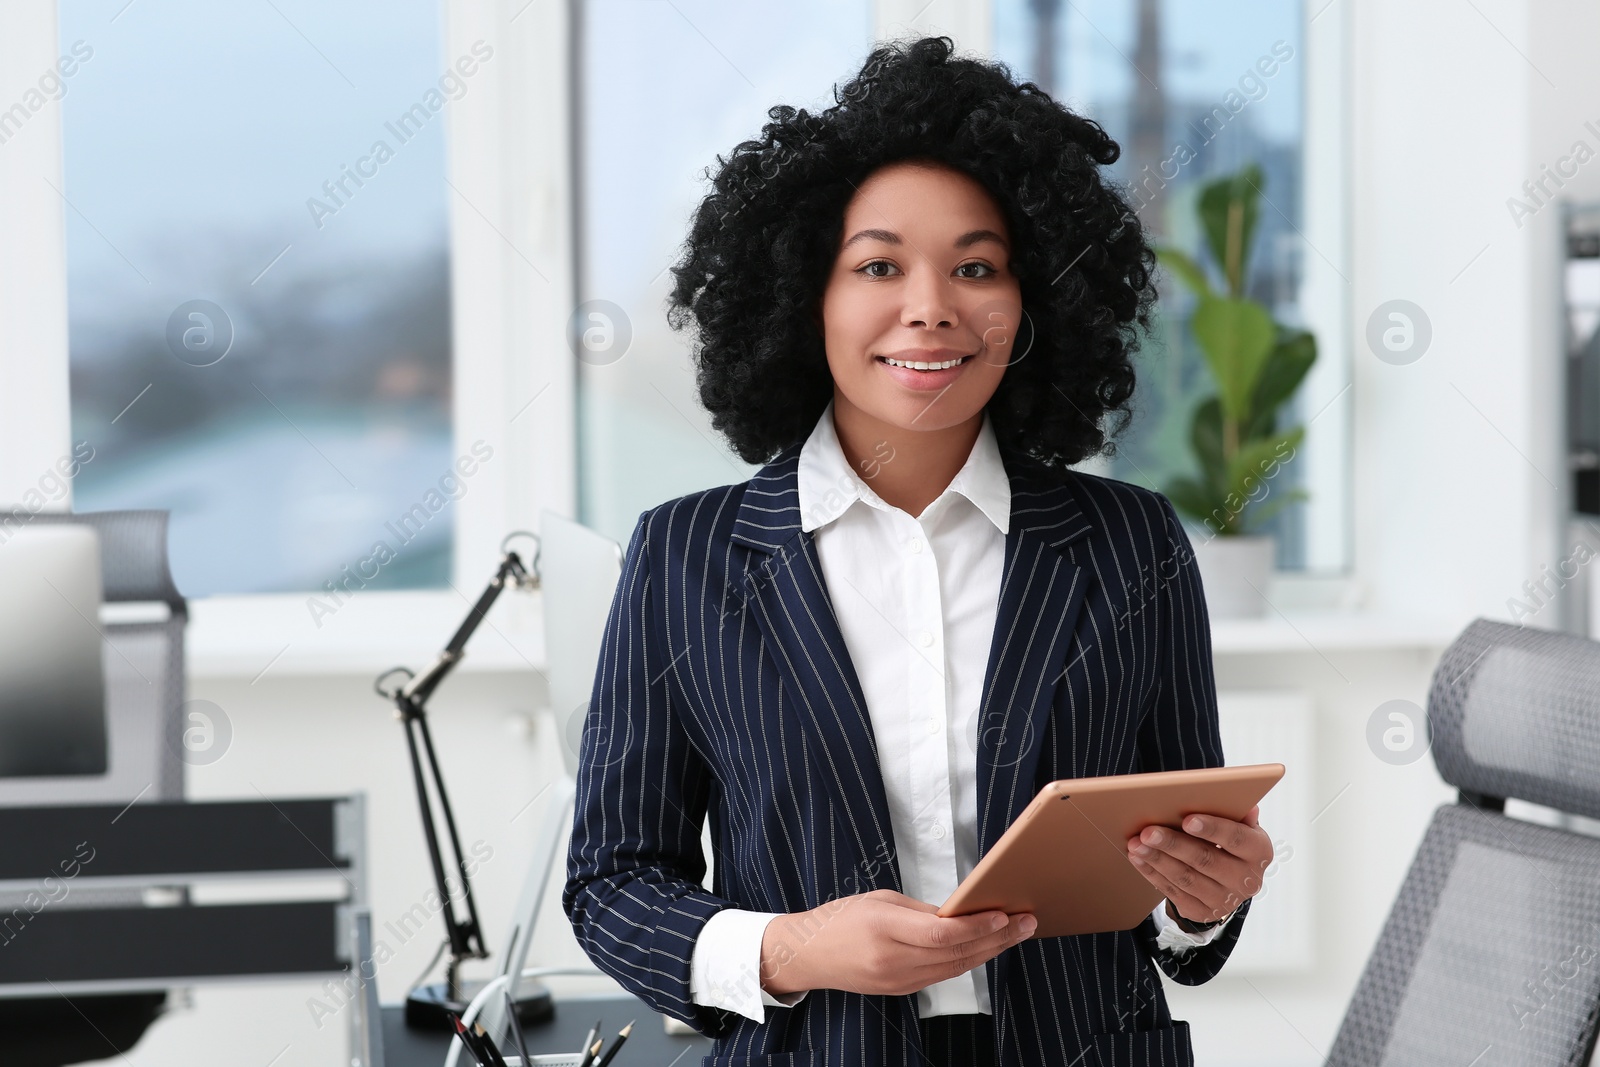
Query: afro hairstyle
(762, 245)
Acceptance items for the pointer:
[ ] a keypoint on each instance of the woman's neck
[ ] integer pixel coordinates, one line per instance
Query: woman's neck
(908, 469)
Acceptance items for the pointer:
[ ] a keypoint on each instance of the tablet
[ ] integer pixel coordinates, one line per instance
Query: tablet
(1065, 858)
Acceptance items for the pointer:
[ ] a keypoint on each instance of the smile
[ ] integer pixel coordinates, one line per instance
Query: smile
(946, 364)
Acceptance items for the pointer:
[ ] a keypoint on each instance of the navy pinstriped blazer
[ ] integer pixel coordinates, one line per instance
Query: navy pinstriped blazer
(724, 687)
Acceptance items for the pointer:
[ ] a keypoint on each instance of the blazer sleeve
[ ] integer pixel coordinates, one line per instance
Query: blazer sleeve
(1180, 726)
(635, 863)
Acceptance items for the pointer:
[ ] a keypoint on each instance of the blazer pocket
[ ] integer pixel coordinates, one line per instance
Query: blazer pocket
(1166, 1046)
(771, 1059)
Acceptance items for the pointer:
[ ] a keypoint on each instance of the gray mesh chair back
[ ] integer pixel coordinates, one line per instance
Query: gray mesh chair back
(1491, 953)
(144, 669)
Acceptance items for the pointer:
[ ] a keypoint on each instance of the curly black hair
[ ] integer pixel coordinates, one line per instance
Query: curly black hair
(762, 244)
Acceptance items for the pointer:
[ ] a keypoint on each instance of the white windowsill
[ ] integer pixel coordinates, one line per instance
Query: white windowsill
(1324, 630)
(270, 637)
(1322, 613)
(273, 637)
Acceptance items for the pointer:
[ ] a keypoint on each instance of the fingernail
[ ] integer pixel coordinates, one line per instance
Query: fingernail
(1029, 925)
(997, 922)
(1155, 837)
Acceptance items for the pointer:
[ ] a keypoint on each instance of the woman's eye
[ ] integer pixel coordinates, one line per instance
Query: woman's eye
(983, 266)
(866, 268)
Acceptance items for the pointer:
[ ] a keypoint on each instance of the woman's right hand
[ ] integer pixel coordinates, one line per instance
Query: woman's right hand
(882, 943)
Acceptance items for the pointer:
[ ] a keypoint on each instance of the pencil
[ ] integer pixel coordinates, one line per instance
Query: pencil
(468, 1042)
(495, 1059)
(622, 1035)
(588, 1057)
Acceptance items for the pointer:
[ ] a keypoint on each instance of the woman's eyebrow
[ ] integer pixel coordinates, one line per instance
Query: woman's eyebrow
(889, 237)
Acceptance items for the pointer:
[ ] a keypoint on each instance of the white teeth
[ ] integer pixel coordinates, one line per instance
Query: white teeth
(924, 366)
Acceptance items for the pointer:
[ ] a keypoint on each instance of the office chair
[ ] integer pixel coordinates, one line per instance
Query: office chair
(1494, 940)
(144, 701)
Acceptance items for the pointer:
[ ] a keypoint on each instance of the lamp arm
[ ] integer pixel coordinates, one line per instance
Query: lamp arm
(465, 937)
(511, 572)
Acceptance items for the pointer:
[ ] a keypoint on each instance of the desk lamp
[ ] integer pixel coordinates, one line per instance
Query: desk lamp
(431, 1006)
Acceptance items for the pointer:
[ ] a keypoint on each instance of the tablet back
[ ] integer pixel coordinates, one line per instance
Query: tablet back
(1065, 858)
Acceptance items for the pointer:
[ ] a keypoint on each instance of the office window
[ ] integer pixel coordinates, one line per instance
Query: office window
(662, 90)
(1178, 86)
(258, 283)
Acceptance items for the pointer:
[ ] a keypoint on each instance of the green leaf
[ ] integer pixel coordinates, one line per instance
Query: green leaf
(1236, 336)
(1205, 435)
(1256, 465)
(1285, 368)
(1192, 499)
(1184, 267)
(1261, 513)
(1228, 209)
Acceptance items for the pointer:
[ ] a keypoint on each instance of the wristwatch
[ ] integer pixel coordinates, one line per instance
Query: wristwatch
(1189, 926)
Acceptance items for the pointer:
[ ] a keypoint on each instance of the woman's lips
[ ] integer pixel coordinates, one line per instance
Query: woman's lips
(912, 378)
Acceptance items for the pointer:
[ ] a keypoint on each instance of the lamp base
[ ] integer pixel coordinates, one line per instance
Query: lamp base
(428, 1008)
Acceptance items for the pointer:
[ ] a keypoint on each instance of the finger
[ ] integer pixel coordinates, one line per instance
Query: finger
(1215, 863)
(1250, 843)
(1153, 876)
(959, 959)
(1195, 883)
(1186, 903)
(1253, 816)
(935, 932)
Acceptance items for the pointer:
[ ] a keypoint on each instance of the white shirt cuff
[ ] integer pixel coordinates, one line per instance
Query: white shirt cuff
(1171, 936)
(725, 965)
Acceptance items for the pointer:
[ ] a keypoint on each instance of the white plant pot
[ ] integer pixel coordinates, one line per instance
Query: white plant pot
(1235, 572)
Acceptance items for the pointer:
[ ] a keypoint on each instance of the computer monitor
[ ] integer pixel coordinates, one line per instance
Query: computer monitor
(578, 574)
(52, 679)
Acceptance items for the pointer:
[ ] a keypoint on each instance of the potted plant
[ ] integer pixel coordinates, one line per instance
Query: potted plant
(1239, 446)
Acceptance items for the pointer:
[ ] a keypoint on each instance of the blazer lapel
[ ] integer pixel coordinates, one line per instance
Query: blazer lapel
(1041, 592)
(789, 602)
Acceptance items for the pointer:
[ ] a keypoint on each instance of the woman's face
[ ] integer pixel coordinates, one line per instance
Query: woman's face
(922, 276)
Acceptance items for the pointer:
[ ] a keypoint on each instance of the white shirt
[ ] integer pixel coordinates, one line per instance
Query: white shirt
(916, 598)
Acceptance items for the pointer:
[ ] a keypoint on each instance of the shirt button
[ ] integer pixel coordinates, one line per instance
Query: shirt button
(933, 726)
(938, 831)
(925, 638)
(916, 544)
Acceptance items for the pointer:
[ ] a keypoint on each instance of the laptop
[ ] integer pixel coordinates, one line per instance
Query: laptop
(52, 678)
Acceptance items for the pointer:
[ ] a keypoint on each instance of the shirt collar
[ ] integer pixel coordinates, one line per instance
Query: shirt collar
(828, 485)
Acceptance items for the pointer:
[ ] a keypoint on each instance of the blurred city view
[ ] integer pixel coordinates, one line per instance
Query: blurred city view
(307, 402)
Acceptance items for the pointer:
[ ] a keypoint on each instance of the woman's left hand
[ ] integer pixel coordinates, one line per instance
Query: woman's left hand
(1207, 869)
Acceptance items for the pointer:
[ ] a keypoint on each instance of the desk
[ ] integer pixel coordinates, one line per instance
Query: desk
(648, 1045)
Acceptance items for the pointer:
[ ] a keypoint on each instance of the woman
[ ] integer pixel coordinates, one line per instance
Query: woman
(916, 309)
